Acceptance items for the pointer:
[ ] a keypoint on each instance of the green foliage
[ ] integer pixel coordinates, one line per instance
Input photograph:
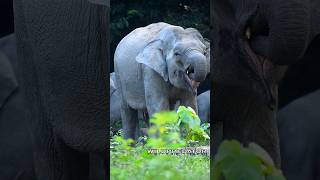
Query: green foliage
(234, 162)
(160, 155)
(148, 160)
(174, 130)
(190, 120)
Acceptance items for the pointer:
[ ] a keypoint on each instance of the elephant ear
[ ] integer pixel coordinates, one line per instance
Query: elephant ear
(8, 81)
(152, 56)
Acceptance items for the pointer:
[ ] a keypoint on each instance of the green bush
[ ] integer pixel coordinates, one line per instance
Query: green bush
(169, 131)
(148, 158)
(234, 162)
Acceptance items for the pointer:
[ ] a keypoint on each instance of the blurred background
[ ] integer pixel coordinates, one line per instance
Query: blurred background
(6, 17)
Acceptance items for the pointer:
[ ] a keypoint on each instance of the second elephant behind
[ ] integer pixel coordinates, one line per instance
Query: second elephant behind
(203, 101)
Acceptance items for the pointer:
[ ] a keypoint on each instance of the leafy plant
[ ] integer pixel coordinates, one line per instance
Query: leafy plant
(142, 161)
(174, 130)
(234, 162)
(147, 158)
(190, 120)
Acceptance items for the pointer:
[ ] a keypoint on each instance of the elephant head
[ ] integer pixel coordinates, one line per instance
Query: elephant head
(253, 39)
(267, 29)
(261, 36)
(180, 56)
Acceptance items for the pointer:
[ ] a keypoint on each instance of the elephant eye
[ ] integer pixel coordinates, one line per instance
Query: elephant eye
(256, 26)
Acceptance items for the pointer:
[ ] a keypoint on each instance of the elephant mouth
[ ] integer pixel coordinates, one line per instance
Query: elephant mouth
(191, 84)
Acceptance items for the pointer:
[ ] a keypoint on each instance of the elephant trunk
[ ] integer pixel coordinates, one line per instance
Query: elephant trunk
(287, 31)
(199, 65)
(239, 115)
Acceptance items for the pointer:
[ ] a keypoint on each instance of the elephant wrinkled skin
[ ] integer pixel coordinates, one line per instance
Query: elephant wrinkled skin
(62, 51)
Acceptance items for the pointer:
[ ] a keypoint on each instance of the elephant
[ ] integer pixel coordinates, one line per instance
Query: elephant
(16, 158)
(203, 101)
(299, 125)
(15, 142)
(62, 50)
(115, 102)
(157, 65)
(255, 45)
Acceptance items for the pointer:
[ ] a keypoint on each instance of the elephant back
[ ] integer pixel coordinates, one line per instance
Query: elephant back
(127, 70)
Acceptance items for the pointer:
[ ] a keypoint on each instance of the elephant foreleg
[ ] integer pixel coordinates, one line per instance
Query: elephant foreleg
(155, 105)
(156, 92)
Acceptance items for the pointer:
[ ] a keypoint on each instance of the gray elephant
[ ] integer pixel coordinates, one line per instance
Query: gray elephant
(16, 151)
(157, 65)
(62, 56)
(203, 101)
(299, 135)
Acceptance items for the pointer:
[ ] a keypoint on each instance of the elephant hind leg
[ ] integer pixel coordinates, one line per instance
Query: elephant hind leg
(130, 122)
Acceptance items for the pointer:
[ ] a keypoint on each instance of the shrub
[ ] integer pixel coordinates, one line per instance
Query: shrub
(234, 162)
(169, 131)
(148, 158)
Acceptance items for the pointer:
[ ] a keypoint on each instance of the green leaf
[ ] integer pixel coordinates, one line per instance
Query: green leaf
(234, 162)
(164, 118)
(261, 153)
